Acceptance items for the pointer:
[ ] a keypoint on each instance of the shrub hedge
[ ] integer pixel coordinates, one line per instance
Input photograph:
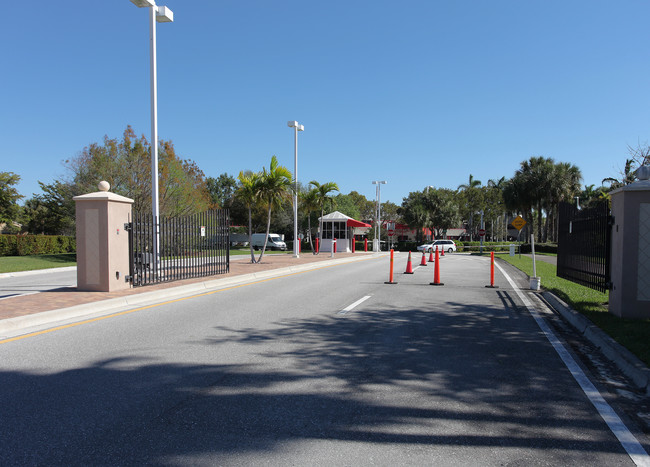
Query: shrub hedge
(24, 245)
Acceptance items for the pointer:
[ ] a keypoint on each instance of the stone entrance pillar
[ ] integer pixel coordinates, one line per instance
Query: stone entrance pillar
(630, 260)
(102, 242)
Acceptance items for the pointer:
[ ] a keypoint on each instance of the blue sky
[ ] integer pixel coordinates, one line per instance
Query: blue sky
(416, 93)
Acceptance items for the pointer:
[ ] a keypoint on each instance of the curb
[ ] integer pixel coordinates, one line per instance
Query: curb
(629, 363)
(104, 307)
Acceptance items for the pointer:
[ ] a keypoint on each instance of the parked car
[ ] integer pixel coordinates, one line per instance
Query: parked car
(446, 245)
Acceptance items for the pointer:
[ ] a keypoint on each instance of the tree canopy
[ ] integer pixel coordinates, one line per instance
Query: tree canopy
(9, 196)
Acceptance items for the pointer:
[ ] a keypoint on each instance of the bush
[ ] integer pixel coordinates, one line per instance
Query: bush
(540, 248)
(487, 246)
(25, 245)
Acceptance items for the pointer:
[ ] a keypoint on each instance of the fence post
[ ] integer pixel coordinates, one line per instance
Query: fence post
(102, 241)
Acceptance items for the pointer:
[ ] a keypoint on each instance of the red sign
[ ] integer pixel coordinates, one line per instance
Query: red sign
(391, 233)
(481, 232)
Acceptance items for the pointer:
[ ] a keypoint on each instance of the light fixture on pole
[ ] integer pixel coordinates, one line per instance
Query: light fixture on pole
(297, 127)
(376, 245)
(160, 14)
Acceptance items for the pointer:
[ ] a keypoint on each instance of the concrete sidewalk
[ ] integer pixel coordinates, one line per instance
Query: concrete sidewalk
(66, 303)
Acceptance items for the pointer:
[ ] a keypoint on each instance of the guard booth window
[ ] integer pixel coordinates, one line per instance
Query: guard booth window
(334, 230)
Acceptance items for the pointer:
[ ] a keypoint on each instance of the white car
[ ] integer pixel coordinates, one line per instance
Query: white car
(426, 247)
(446, 245)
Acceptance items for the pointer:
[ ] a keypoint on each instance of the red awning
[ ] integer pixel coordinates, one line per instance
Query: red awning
(353, 223)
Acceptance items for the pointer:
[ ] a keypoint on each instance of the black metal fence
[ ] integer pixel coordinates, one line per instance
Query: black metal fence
(584, 245)
(191, 246)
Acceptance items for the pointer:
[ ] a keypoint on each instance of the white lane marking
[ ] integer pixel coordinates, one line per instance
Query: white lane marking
(354, 305)
(615, 424)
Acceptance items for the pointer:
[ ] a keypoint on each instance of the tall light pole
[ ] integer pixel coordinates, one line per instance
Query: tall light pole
(376, 245)
(297, 127)
(160, 14)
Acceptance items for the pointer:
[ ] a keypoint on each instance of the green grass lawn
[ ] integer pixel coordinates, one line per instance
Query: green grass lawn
(30, 263)
(632, 334)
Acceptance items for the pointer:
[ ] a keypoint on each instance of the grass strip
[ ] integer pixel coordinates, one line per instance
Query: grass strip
(31, 263)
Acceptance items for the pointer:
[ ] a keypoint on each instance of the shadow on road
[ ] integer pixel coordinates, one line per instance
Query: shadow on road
(464, 377)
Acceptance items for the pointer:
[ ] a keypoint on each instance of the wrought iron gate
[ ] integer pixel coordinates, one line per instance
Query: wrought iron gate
(191, 246)
(584, 245)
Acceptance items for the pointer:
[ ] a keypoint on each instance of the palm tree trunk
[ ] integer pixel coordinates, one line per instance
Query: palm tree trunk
(268, 229)
(250, 233)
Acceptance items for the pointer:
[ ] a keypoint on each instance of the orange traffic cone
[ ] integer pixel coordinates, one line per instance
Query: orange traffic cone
(424, 260)
(431, 255)
(409, 266)
(436, 272)
(442, 252)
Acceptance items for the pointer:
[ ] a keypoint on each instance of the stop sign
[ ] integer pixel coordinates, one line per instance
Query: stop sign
(481, 232)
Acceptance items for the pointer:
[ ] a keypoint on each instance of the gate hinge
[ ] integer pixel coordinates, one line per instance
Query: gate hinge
(128, 226)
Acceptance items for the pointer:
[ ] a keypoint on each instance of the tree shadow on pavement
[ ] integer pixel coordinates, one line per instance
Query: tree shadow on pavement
(422, 382)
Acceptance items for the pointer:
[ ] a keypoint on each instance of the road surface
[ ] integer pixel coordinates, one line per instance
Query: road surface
(326, 367)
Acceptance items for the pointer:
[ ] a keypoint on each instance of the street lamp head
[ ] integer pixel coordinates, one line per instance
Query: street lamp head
(164, 15)
(292, 124)
(377, 182)
(301, 128)
(143, 3)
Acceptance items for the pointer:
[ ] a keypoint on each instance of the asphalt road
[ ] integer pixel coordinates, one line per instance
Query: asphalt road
(22, 283)
(327, 367)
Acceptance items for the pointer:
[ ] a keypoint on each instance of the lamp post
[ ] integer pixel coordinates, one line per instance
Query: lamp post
(160, 14)
(376, 245)
(297, 127)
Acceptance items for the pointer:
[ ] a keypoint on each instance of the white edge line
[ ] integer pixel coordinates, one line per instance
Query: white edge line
(354, 305)
(631, 445)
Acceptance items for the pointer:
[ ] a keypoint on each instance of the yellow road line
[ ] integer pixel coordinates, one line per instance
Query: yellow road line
(126, 312)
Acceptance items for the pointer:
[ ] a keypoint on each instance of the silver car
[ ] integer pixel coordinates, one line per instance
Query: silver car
(446, 245)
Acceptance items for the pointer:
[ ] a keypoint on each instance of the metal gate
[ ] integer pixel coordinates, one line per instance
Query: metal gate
(191, 246)
(584, 245)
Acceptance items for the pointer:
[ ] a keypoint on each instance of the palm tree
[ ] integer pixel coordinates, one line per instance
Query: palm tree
(469, 189)
(537, 173)
(275, 187)
(247, 192)
(628, 176)
(322, 197)
(473, 183)
(564, 185)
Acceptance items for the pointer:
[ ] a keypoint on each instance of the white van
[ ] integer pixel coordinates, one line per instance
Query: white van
(275, 242)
